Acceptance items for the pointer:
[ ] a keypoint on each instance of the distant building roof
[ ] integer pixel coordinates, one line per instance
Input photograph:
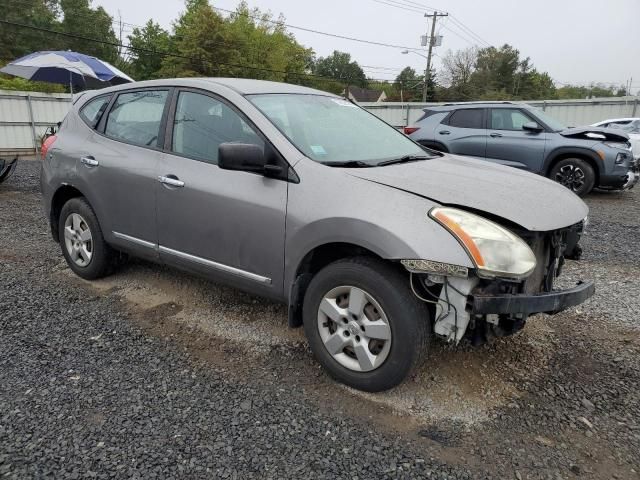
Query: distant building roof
(358, 94)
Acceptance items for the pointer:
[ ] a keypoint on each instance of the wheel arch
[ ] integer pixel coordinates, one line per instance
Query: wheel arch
(583, 154)
(311, 263)
(61, 196)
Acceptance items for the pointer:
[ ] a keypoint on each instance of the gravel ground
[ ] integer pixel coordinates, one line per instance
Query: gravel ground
(152, 373)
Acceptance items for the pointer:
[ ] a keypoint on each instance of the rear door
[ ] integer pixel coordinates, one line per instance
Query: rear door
(463, 132)
(229, 225)
(509, 144)
(119, 168)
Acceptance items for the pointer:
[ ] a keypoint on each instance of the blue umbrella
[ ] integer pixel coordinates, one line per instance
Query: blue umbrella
(68, 68)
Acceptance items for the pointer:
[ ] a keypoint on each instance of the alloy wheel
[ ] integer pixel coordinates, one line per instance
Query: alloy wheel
(78, 239)
(354, 328)
(571, 176)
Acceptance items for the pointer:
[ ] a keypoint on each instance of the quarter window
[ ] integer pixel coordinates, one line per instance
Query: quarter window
(93, 110)
(203, 123)
(466, 118)
(136, 117)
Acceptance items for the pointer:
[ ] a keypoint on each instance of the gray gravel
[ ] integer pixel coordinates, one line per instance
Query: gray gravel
(92, 388)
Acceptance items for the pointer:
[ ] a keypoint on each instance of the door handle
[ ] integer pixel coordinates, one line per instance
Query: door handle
(89, 161)
(171, 180)
(495, 135)
(444, 132)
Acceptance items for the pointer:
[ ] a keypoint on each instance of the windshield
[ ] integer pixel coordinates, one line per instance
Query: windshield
(335, 131)
(551, 122)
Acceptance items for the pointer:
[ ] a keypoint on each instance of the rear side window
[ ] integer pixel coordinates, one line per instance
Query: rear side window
(136, 117)
(466, 118)
(93, 110)
(427, 113)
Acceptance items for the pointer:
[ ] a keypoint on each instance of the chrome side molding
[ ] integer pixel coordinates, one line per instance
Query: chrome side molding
(192, 258)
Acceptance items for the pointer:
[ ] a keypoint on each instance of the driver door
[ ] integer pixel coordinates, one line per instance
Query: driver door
(229, 225)
(509, 144)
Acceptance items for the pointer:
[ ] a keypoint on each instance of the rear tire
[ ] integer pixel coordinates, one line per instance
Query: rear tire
(376, 330)
(575, 174)
(82, 242)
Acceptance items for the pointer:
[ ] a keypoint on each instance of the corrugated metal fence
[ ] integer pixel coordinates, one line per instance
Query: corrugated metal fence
(570, 112)
(24, 116)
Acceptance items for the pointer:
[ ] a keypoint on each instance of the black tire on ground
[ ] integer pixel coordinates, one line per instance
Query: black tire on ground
(408, 319)
(575, 174)
(103, 257)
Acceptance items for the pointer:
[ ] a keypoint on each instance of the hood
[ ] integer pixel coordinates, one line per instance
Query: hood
(526, 199)
(596, 134)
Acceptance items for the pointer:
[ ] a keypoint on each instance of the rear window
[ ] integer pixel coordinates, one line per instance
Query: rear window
(466, 118)
(93, 110)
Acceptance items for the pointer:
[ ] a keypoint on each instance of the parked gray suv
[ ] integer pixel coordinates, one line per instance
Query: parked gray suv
(291, 193)
(525, 137)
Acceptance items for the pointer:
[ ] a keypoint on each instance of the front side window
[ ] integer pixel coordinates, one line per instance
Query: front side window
(508, 119)
(93, 110)
(333, 130)
(202, 124)
(136, 117)
(467, 118)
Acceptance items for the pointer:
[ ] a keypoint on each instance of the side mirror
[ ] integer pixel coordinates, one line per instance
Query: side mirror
(532, 127)
(241, 156)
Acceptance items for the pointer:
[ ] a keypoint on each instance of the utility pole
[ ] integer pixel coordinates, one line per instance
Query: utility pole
(431, 41)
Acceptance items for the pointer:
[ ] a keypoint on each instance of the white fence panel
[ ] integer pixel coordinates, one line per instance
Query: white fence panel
(24, 117)
(20, 132)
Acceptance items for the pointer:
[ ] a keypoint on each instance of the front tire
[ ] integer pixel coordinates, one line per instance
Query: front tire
(364, 325)
(575, 174)
(82, 242)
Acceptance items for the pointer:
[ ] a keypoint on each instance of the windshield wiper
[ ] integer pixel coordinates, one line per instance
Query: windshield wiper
(405, 159)
(348, 164)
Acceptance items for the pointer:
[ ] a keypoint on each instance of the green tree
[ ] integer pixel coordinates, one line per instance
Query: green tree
(16, 42)
(408, 85)
(339, 66)
(266, 48)
(199, 43)
(149, 44)
(82, 20)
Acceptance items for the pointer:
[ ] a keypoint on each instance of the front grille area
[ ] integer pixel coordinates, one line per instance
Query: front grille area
(550, 249)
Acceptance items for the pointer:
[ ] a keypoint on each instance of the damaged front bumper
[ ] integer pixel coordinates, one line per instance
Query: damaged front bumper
(467, 307)
(527, 304)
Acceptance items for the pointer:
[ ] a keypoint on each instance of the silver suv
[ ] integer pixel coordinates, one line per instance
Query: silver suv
(373, 241)
(525, 137)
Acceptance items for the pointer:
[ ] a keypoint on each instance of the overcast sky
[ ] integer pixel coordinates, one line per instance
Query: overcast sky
(577, 41)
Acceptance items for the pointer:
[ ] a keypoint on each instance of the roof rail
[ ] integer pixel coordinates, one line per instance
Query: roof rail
(490, 102)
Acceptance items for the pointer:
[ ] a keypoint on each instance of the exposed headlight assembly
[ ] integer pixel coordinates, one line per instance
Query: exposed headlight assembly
(495, 251)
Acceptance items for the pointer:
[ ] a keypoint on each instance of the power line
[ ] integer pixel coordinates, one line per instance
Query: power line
(167, 54)
(391, 3)
(462, 26)
(471, 32)
(318, 32)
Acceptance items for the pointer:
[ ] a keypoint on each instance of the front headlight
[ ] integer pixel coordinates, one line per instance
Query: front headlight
(495, 251)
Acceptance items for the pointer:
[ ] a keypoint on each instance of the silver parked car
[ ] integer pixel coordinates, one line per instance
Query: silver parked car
(372, 240)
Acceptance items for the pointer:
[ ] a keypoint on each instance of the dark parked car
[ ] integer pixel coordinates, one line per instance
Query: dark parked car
(525, 137)
(303, 197)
